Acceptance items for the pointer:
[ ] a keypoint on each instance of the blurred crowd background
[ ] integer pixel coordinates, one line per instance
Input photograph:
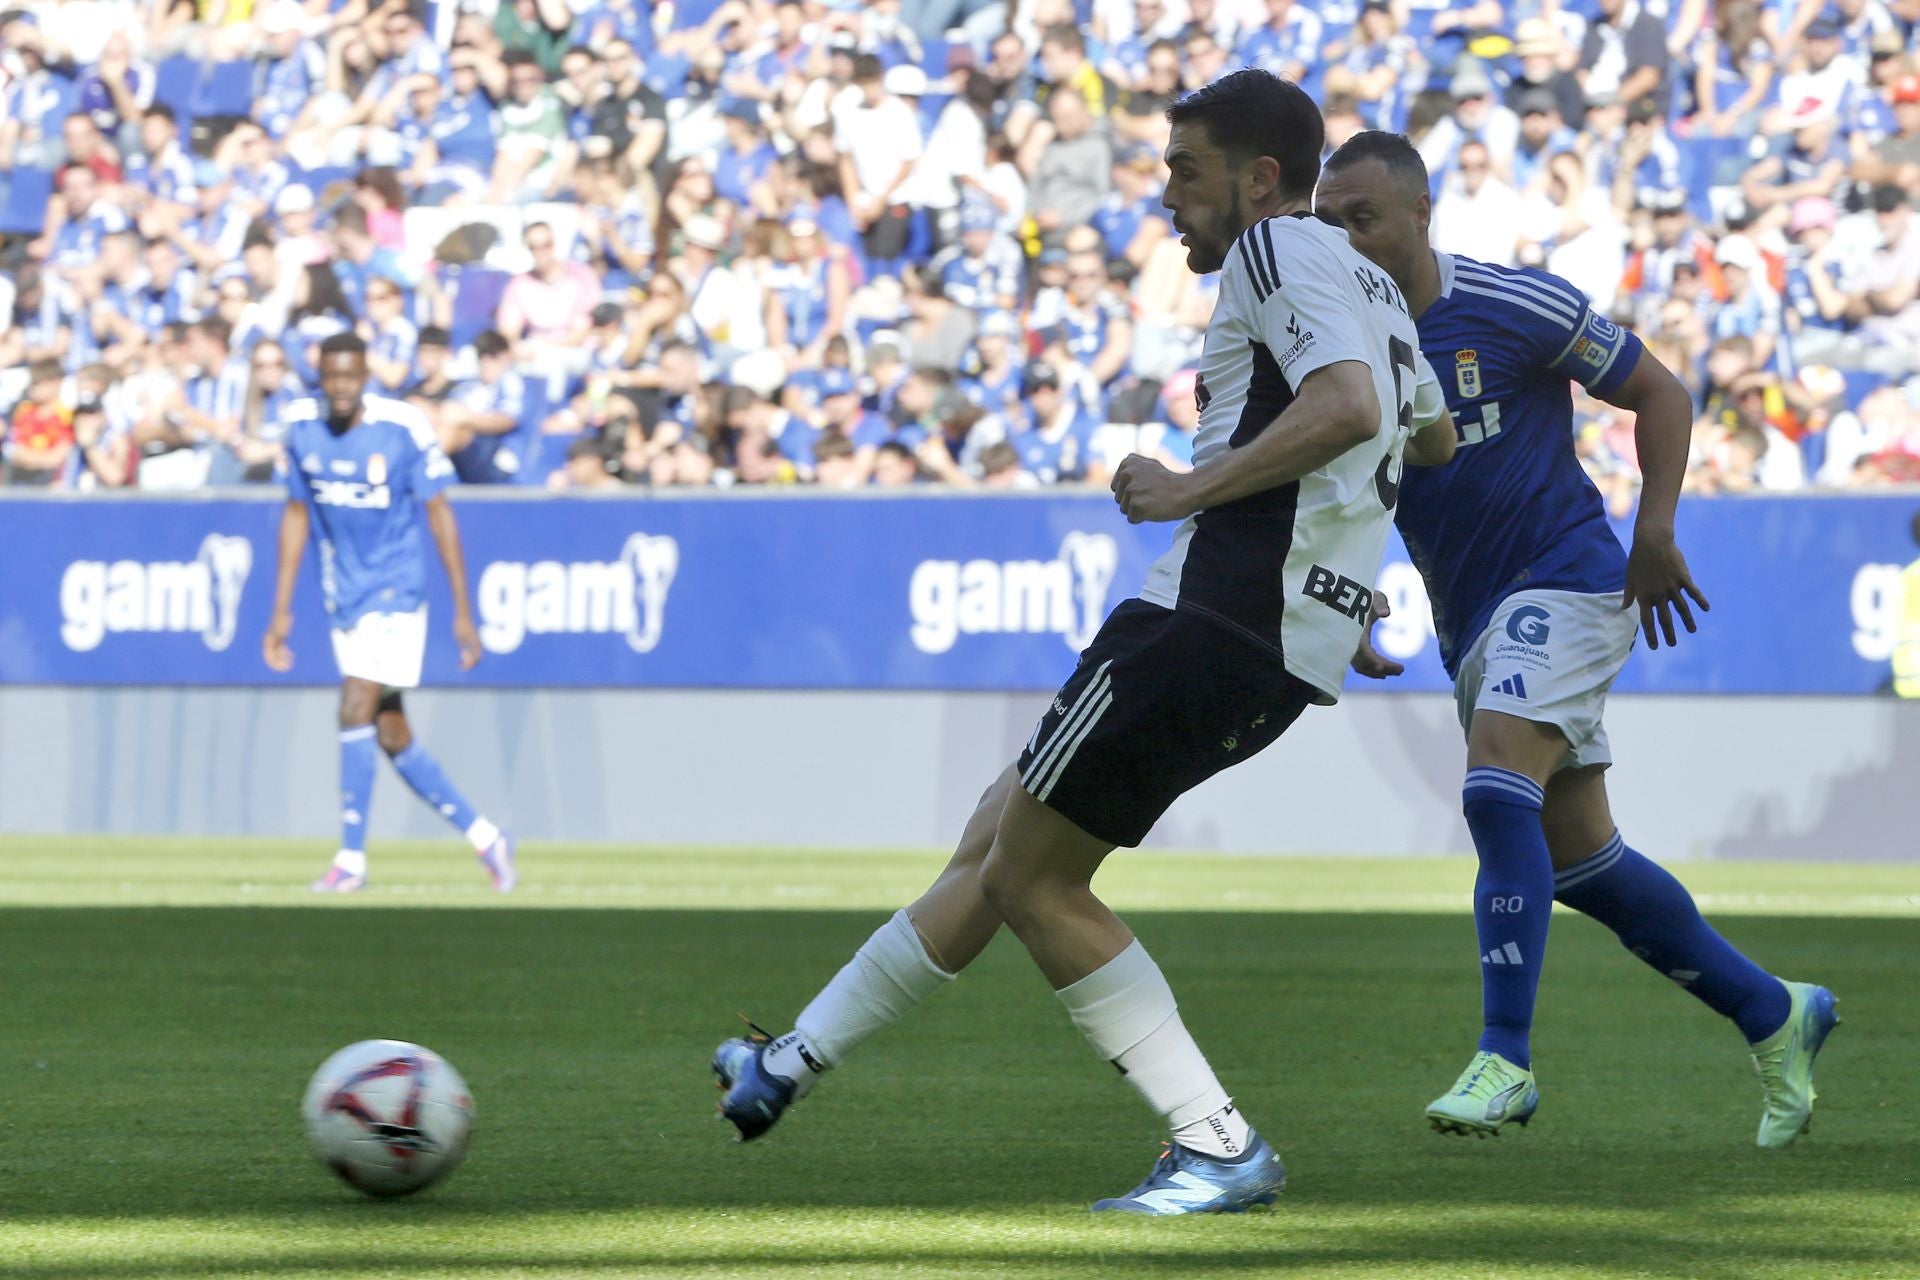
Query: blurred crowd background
(890, 242)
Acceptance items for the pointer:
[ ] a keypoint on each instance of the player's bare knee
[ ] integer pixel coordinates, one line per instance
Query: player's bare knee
(359, 703)
(1576, 818)
(393, 733)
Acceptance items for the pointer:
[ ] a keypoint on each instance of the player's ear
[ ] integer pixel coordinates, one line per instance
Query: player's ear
(1262, 178)
(1423, 212)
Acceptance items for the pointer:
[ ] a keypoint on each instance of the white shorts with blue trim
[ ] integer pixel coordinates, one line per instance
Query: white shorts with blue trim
(1550, 657)
(386, 648)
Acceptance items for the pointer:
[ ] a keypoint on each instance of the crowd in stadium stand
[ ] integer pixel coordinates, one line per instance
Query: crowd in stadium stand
(885, 242)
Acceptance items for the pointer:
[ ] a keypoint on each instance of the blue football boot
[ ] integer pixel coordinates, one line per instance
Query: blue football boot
(1185, 1181)
(752, 1097)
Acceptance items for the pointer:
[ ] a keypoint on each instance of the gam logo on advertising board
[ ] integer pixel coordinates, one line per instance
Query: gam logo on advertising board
(627, 596)
(99, 598)
(1066, 595)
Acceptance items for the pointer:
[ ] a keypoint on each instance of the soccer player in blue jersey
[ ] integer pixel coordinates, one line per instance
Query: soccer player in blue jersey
(1531, 598)
(359, 470)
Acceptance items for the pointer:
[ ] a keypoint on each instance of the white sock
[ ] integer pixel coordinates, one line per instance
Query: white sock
(1126, 1011)
(482, 834)
(351, 861)
(887, 977)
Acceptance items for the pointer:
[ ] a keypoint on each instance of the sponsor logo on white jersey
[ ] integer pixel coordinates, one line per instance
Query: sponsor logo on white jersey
(627, 596)
(1066, 595)
(99, 598)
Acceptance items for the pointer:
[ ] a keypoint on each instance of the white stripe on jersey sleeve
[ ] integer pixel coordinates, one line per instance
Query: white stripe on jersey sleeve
(1310, 320)
(1534, 288)
(1462, 285)
(402, 414)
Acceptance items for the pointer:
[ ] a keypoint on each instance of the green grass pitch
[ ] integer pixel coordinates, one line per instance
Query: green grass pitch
(165, 1002)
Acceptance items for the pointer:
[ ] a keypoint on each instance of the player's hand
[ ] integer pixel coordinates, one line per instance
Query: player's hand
(1367, 660)
(273, 647)
(1658, 581)
(468, 639)
(1147, 491)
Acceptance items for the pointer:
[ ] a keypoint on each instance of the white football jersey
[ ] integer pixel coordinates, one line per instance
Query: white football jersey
(1291, 569)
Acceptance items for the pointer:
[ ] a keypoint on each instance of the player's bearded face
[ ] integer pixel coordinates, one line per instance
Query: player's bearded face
(1212, 229)
(1203, 194)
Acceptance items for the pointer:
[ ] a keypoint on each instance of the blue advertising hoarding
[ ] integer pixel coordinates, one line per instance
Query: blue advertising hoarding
(815, 591)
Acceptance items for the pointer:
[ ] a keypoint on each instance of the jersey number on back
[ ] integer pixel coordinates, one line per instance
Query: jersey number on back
(1386, 480)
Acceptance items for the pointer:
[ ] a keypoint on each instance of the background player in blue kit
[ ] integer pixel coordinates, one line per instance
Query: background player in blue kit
(359, 469)
(1526, 579)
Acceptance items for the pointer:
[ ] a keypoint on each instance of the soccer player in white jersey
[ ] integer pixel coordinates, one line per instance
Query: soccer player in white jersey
(1532, 598)
(359, 470)
(1307, 394)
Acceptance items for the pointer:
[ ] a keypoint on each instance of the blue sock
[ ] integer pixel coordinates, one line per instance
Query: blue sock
(1657, 920)
(1512, 902)
(422, 772)
(359, 756)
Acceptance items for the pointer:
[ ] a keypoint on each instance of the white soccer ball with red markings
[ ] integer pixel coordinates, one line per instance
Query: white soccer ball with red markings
(389, 1117)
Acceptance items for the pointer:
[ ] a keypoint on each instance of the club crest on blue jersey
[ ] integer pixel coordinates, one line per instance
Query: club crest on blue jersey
(1466, 373)
(377, 469)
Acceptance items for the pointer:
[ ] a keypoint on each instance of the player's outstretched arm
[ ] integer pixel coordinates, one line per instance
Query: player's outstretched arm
(1335, 409)
(294, 518)
(446, 538)
(1657, 576)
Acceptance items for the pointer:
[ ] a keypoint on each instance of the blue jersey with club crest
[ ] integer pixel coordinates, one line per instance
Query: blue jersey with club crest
(364, 487)
(1513, 511)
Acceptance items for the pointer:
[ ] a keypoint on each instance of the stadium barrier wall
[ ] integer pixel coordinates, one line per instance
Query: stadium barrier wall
(133, 700)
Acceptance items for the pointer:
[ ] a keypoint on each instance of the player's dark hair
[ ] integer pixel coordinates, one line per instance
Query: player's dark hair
(491, 343)
(1254, 113)
(343, 344)
(1394, 150)
(433, 335)
(866, 67)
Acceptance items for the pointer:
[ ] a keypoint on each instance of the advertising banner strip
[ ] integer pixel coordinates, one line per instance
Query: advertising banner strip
(817, 591)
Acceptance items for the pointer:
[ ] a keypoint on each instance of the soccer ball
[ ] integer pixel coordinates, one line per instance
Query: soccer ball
(389, 1117)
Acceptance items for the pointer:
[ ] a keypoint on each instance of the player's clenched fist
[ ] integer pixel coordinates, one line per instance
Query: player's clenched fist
(1147, 491)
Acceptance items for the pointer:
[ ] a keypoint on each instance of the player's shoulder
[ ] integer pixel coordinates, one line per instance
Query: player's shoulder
(407, 417)
(1526, 294)
(1273, 250)
(303, 415)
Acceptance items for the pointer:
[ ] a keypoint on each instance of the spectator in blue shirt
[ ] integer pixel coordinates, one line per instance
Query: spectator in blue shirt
(747, 156)
(119, 88)
(1131, 218)
(1052, 433)
(490, 436)
(1543, 135)
(1288, 45)
(164, 171)
(290, 73)
(90, 219)
(994, 368)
